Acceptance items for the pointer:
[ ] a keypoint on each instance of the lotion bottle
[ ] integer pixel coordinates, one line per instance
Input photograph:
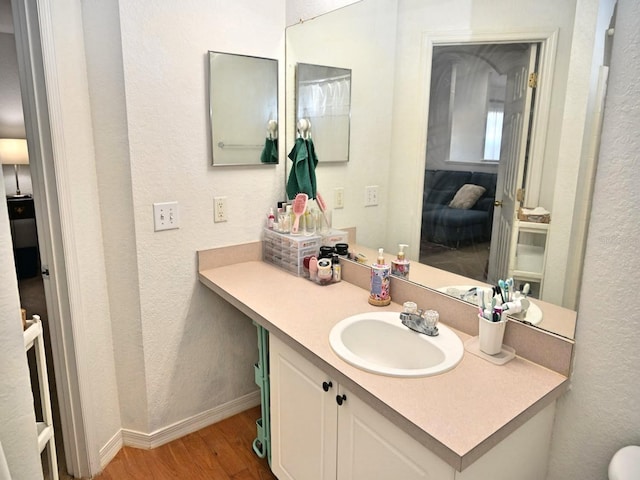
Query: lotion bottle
(400, 266)
(380, 292)
(271, 218)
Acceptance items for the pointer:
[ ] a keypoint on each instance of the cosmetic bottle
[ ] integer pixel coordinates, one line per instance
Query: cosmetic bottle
(400, 266)
(271, 218)
(380, 292)
(336, 267)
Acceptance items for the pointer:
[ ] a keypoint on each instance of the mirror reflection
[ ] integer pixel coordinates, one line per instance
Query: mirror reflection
(470, 150)
(323, 99)
(243, 106)
(512, 149)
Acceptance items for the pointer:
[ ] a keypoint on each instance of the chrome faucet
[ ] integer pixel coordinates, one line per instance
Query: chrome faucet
(470, 295)
(421, 321)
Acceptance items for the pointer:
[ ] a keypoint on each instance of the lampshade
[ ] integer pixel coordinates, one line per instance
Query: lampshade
(13, 151)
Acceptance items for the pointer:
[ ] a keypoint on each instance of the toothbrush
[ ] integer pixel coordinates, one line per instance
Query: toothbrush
(501, 286)
(488, 297)
(323, 207)
(299, 207)
(510, 288)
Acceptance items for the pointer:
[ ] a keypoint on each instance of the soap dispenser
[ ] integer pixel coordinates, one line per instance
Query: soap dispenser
(400, 266)
(380, 292)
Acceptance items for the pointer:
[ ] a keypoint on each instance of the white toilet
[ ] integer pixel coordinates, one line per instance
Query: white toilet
(625, 464)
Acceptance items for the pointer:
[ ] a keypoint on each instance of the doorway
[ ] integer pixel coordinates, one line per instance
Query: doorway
(477, 141)
(20, 205)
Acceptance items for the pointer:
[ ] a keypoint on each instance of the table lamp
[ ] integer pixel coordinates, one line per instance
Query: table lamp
(13, 151)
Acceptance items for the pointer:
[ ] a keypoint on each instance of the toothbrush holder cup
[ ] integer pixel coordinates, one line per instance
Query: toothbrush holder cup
(491, 335)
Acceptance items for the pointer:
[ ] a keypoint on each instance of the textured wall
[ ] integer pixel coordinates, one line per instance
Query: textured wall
(191, 351)
(600, 414)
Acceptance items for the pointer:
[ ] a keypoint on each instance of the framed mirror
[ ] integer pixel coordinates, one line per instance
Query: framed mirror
(323, 98)
(389, 45)
(243, 109)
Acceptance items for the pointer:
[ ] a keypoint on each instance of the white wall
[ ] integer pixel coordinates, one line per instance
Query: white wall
(198, 351)
(180, 350)
(600, 414)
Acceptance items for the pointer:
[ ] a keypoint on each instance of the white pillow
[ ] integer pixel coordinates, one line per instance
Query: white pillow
(467, 196)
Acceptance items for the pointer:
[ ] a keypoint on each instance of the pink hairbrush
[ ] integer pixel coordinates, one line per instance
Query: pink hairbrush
(298, 208)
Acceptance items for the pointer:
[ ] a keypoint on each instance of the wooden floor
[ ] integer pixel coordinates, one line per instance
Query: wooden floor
(219, 452)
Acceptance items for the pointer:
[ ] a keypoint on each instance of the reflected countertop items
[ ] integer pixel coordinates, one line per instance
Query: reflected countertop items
(553, 318)
(533, 315)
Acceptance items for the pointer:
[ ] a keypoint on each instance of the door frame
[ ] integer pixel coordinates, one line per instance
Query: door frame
(33, 23)
(548, 40)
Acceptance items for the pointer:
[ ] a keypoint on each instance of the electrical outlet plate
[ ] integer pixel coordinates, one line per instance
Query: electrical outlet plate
(166, 216)
(338, 197)
(371, 196)
(219, 209)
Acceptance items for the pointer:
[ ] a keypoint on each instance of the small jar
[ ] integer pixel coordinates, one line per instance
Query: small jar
(342, 249)
(325, 273)
(326, 251)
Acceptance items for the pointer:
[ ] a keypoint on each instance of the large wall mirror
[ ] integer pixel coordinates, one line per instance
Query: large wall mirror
(243, 108)
(420, 65)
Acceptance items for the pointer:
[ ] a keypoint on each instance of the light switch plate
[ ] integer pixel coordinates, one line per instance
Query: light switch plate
(338, 197)
(371, 196)
(166, 216)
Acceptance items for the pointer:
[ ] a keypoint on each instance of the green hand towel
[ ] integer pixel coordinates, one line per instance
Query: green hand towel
(302, 178)
(270, 151)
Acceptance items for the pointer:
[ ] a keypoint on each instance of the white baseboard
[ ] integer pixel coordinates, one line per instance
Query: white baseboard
(110, 450)
(132, 438)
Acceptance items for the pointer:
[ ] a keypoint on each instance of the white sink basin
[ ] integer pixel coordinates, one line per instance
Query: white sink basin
(379, 343)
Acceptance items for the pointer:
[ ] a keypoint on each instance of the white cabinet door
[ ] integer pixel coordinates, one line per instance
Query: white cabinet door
(370, 447)
(314, 438)
(303, 417)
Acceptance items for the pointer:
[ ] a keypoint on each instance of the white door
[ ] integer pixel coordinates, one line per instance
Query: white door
(303, 417)
(513, 154)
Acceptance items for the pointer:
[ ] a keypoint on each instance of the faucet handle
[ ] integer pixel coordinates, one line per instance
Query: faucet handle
(430, 319)
(409, 307)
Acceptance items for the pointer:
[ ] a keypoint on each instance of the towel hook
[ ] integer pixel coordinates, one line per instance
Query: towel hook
(304, 128)
(272, 128)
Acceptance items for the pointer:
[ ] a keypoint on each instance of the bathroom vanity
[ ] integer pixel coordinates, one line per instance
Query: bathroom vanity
(330, 419)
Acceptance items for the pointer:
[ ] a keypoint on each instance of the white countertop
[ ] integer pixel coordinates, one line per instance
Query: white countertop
(459, 415)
